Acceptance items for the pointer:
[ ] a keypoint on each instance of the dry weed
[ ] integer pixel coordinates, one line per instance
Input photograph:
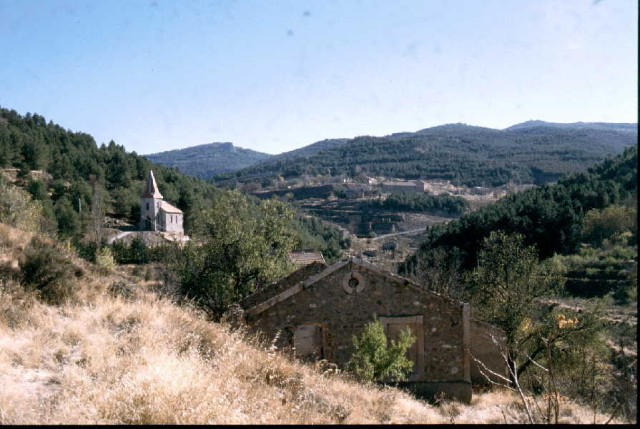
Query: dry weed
(134, 358)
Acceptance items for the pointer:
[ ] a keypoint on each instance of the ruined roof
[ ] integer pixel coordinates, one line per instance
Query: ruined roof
(283, 284)
(289, 286)
(166, 207)
(306, 258)
(151, 188)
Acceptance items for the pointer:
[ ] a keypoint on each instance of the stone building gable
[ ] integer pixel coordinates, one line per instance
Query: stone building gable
(320, 316)
(281, 285)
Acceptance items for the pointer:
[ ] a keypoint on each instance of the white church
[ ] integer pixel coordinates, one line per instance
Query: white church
(157, 214)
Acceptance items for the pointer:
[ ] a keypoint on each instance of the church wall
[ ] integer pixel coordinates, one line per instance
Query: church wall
(172, 222)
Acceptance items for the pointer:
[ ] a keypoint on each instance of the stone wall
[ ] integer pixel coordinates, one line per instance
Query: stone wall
(343, 313)
(487, 352)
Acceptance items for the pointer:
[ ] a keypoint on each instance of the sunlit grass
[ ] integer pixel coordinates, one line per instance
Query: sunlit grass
(103, 359)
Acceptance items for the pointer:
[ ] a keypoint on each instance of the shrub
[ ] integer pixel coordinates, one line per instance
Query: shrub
(18, 209)
(48, 271)
(376, 359)
(105, 260)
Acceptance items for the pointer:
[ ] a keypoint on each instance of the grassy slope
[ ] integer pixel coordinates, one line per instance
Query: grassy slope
(107, 358)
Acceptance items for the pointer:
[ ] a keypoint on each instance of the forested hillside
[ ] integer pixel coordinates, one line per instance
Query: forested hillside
(551, 217)
(555, 268)
(466, 155)
(81, 171)
(207, 160)
(79, 182)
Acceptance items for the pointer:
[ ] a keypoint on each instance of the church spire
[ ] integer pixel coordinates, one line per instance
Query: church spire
(151, 189)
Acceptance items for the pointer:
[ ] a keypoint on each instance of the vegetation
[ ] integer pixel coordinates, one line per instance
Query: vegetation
(91, 348)
(377, 359)
(517, 259)
(124, 355)
(79, 183)
(505, 290)
(47, 271)
(447, 204)
(77, 175)
(18, 209)
(240, 247)
(466, 155)
(314, 234)
(549, 218)
(206, 161)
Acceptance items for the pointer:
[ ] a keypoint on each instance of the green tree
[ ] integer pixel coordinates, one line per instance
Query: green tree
(48, 271)
(602, 224)
(377, 359)
(68, 220)
(505, 288)
(242, 246)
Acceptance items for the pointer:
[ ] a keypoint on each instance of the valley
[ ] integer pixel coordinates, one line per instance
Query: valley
(567, 243)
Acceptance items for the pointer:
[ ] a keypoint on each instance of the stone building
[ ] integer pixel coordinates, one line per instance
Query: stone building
(410, 186)
(315, 312)
(157, 214)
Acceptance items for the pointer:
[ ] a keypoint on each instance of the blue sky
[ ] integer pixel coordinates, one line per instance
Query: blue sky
(275, 75)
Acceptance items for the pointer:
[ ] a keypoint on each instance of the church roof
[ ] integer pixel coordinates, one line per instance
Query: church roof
(151, 188)
(168, 208)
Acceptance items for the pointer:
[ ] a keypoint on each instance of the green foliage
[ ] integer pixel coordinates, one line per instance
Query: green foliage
(549, 217)
(564, 351)
(315, 235)
(74, 159)
(105, 260)
(205, 161)
(69, 224)
(507, 282)
(377, 359)
(447, 204)
(601, 224)
(135, 252)
(508, 290)
(243, 245)
(48, 271)
(596, 272)
(19, 210)
(37, 189)
(465, 155)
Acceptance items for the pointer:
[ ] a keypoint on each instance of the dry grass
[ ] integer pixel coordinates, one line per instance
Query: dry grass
(104, 358)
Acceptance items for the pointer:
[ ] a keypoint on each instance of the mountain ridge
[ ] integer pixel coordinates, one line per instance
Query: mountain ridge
(536, 153)
(557, 143)
(206, 160)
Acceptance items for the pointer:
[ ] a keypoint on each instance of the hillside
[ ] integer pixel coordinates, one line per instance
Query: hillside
(621, 127)
(549, 217)
(466, 155)
(208, 160)
(115, 351)
(74, 172)
(311, 149)
(81, 184)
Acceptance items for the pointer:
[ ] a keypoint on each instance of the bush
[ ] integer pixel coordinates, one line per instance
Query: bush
(104, 260)
(376, 359)
(48, 271)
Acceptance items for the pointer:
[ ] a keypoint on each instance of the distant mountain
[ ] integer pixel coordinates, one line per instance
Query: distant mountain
(533, 152)
(208, 160)
(621, 127)
(311, 149)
